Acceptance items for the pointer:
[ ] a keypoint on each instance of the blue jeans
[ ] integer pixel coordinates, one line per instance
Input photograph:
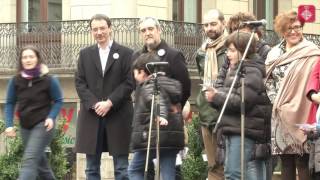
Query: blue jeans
(167, 164)
(120, 164)
(253, 169)
(34, 160)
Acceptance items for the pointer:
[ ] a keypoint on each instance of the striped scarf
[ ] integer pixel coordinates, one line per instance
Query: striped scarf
(211, 63)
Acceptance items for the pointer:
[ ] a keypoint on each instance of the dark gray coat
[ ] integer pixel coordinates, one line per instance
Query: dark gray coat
(177, 66)
(92, 86)
(257, 104)
(172, 135)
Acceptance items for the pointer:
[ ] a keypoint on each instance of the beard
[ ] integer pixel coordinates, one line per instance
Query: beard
(152, 45)
(213, 35)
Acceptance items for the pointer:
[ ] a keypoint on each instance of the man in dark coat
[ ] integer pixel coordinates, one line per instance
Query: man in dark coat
(151, 34)
(104, 85)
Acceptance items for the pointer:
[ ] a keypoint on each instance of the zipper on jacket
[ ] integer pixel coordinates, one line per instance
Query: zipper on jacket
(30, 83)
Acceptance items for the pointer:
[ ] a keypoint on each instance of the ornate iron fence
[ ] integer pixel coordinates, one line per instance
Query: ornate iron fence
(61, 41)
(272, 38)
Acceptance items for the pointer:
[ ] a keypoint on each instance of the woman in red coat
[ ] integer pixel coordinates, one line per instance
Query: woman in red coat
(313, 93)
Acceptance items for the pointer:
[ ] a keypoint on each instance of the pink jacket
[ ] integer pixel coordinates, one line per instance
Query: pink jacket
(313, 86)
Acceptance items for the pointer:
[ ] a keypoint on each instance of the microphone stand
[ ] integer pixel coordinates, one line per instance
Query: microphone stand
(242, 103)
(153, 116)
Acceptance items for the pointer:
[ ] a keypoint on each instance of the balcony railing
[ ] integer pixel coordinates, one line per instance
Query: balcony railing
(61, 41)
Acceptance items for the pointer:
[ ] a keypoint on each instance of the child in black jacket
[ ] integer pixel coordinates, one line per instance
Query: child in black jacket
(257, 109)
(169, 117)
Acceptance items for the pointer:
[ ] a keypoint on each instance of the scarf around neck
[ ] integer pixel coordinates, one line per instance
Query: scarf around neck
(31, 73)
(38, 71)
(291, 105)
(211, 62)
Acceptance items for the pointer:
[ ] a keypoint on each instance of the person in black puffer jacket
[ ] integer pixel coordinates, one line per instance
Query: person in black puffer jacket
(262, 48)
(257, 109)
(170, 119)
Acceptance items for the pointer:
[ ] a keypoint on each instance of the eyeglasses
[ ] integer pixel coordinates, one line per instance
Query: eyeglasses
(102, 28)
(294, 28)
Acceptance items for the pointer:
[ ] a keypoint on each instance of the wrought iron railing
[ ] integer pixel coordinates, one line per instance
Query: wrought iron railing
(61, 41)
(272, 38)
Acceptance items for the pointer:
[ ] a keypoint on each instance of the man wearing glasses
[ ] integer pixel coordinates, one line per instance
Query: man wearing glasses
(104, 85)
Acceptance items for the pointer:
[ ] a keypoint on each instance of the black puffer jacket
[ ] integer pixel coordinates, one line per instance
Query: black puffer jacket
(263, 49)
(257, 104)
(171, 136)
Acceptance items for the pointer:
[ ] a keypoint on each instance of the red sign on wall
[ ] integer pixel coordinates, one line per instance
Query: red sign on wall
(307, 12)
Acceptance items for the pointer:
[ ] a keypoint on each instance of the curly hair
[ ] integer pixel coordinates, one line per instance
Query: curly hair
(283, 21)
(235, 22)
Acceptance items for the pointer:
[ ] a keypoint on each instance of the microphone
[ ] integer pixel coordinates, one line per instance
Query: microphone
(261, 22)
(155, 67)
(157, 64)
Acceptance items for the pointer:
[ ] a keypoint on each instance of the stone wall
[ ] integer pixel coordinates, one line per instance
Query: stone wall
(106, 167)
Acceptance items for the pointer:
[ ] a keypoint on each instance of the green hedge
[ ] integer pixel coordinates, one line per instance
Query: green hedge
(193, 167)
(11, 161)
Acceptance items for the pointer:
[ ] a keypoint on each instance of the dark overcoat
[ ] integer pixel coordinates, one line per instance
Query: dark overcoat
(177, 66)
(92, 86)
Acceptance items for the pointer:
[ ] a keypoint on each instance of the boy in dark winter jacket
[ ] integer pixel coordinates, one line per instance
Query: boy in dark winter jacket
(169, 117)
(257, 110)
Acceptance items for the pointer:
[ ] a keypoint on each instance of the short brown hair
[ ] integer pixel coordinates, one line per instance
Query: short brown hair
(240, 40)
(284, 20)
(143, 59)
(100, 17)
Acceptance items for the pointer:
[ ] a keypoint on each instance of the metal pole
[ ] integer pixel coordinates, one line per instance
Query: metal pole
(233, 83)
(158, 138)
(242, 128)
(242, 164)
(149, 139)
(154, 116)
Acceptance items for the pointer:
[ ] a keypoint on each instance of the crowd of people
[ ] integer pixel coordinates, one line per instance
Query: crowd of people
(273, 90)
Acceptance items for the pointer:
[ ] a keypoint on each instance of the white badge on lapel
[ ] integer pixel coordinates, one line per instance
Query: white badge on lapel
(115, 55)
(161, 52)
